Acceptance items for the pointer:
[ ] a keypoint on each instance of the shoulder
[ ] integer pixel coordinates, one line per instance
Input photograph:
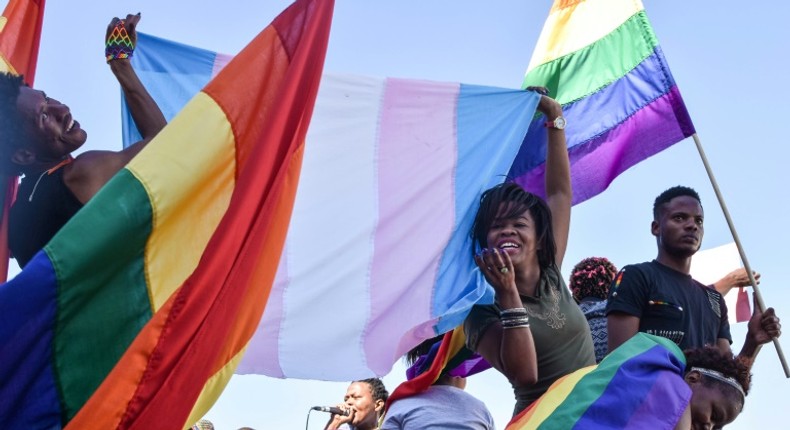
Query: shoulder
(87, 164)
(636, 273)
(645, 267)
(477, 322)
(553, 277)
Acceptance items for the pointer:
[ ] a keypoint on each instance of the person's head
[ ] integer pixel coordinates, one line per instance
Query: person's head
(366, 398)
(203, 424)
(719, 384)
(591, 277)
(34, 129)
(421, 351)
(678, 222)
(516, 221)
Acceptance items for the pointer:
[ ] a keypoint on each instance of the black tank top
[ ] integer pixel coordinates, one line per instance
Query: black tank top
(38, 213)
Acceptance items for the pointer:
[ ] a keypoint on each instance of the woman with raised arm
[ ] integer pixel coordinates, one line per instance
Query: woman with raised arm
(534, 333)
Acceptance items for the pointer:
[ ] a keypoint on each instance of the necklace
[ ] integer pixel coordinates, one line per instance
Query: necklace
(48, 172)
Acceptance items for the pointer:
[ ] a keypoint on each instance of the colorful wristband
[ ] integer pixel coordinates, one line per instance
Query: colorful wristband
(119, 44)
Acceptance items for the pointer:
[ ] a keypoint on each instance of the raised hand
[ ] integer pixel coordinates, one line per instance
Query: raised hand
(121, 38)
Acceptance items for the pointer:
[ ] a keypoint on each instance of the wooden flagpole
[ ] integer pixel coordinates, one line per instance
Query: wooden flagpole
(757, 295)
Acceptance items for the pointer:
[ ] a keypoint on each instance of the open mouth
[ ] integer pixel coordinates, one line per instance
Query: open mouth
(508, 246)
(70, 125)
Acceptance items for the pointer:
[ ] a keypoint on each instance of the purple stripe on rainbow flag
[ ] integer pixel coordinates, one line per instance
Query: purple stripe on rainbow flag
(595, 163)
(417, 152)
(637, 386)
(29, 393)
(641, 399)
(597, 113)
(659, 403)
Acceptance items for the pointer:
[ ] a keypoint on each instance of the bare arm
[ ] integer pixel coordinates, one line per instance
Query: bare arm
(736, 278)
(764, 326)
(511, 351)
(145, 112)
(559, 193)
(620, 327)
(91, 170)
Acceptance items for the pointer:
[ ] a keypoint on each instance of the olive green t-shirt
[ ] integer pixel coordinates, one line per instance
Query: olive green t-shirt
(562, 337)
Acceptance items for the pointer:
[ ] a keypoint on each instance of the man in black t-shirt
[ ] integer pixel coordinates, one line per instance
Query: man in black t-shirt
(661, 298)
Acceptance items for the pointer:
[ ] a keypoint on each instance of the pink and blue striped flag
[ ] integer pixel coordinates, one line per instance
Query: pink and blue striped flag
(378, 255)
(601, 60)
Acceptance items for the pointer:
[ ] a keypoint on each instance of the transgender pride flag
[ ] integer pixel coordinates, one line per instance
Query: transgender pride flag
(378, 255)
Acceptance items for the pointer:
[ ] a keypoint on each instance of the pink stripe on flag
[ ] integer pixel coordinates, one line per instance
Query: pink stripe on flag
(263, 352)
(219, 63)
(417, 158)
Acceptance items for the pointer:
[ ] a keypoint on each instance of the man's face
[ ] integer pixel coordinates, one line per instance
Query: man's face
(52, 132)
(359, 399)
(680, 228)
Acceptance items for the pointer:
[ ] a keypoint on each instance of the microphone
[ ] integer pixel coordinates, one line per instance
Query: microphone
(332, 410)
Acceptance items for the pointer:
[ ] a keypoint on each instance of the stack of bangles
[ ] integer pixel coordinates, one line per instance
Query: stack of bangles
(514, 318)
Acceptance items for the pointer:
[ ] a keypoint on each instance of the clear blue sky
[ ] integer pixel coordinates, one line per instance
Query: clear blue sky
(729, 63)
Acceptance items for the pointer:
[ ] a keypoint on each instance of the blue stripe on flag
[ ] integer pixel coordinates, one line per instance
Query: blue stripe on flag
(173, 73)
(491, 123)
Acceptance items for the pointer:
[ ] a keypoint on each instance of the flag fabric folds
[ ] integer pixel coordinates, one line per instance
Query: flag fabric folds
(392, 176)
(20, 34)
(601, 60)
(449, 356)
(140, 308)
(638, 386)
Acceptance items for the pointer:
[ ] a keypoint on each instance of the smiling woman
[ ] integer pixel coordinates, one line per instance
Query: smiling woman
(534, 333)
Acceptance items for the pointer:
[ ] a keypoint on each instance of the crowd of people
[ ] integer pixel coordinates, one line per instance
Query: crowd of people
(537, 330)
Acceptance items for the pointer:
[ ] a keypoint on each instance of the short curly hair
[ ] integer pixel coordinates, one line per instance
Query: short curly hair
(377, 388)
(671, 193)
(11, 131)
(712, 358)
(591, 277)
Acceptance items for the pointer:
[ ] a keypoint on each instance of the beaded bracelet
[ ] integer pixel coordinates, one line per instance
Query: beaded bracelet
(119, 44)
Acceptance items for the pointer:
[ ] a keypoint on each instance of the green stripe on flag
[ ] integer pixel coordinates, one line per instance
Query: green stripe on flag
(591, 68)
(102, 295)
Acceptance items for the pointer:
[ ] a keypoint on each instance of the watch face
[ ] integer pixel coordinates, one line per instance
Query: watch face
(559, 122)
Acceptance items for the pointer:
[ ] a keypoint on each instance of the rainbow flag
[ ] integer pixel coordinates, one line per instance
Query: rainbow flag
(638, 386)
(449, 354)
(393, 172)
(140, 308)
(601, 60)
(20, 34)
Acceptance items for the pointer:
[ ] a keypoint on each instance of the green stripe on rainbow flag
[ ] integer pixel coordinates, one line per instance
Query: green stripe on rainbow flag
(98, 261)
(598, 64)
